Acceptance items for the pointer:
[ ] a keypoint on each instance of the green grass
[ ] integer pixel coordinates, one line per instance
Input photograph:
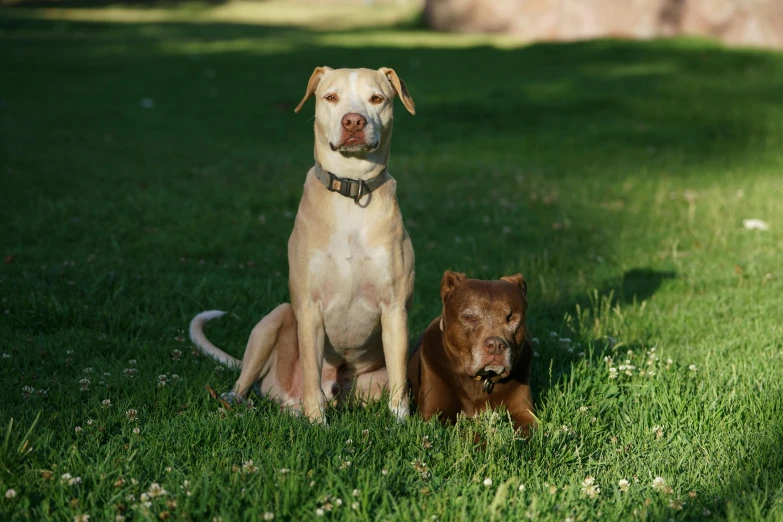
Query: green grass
(615, 175)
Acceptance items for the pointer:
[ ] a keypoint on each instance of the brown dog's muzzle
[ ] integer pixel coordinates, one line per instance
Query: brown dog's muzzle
(495, 345)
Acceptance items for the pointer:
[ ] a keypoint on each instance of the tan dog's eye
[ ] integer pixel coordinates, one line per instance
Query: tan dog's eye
(509, 317)
(375, 99)
(331, 98)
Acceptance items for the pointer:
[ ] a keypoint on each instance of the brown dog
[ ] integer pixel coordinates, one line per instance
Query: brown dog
(476, 353)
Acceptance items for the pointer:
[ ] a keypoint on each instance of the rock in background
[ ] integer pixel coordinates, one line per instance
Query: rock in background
(757, 23)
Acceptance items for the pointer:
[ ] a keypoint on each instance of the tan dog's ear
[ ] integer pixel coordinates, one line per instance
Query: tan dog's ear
(449, 282)
(399, 88)
(312, 85)
(517, 280)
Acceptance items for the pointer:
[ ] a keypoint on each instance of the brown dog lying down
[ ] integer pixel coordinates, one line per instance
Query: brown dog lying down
(476, 353)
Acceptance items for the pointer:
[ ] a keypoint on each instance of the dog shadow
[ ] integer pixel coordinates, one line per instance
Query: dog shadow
(589, 328)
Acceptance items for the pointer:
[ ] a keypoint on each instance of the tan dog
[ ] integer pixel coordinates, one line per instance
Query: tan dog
(476, 353)
(351, 269)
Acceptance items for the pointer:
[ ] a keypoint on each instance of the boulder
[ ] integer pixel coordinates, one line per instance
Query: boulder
(756, 23)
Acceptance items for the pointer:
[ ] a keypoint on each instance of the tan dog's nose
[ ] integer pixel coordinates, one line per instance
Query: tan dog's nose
(353, 122)
(494, 345)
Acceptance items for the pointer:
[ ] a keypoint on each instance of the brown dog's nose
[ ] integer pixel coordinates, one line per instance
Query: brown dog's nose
(494, 345)
(353, 122)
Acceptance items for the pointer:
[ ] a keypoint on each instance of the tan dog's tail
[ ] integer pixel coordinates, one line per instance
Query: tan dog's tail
(203, 344)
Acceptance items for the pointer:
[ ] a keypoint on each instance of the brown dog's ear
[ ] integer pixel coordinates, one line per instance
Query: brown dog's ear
(449, 282)
(399, 88)
(312, 85)
(517, 280)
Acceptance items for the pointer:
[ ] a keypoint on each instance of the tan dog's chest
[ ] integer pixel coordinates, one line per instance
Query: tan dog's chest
(349, 280)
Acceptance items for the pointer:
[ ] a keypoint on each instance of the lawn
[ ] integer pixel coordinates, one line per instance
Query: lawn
(150, 168)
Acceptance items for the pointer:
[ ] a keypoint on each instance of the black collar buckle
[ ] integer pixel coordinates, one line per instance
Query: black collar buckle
(343, 187)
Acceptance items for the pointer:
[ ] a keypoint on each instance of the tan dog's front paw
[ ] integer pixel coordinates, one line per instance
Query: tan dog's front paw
(315, 412)
(401, 410)
(233, 398)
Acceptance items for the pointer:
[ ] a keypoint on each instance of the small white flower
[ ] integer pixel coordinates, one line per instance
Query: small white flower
(156, 490)
(248, 467)
(658, 430)
(27, 391)
(75, 481)
(132, 362)
(658, 483)
(487, 481)
(268, 516)
(623, 485)
(10, 493)
(106, 403)
(136, 430)
(7, 356)
(356, 492)
(81, 518)
(319, 512)
(88, 370)
(284, 470)
(590, 488)
(521, 487)
(132, 414)
(144, 497)
(692, 368)
(355, 505)
(384, 472)
(613, 373)
(84, 384)
(338, 501)
(754, 224)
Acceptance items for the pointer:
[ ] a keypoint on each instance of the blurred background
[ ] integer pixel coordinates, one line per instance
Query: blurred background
(739, 22)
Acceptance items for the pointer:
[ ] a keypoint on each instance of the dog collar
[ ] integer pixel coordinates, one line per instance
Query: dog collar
(349, 187)
(488, 385)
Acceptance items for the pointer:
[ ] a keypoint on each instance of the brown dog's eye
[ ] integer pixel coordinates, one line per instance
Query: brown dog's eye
(469, 318)
(376, 99)
(331, 98)
(509, 317)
